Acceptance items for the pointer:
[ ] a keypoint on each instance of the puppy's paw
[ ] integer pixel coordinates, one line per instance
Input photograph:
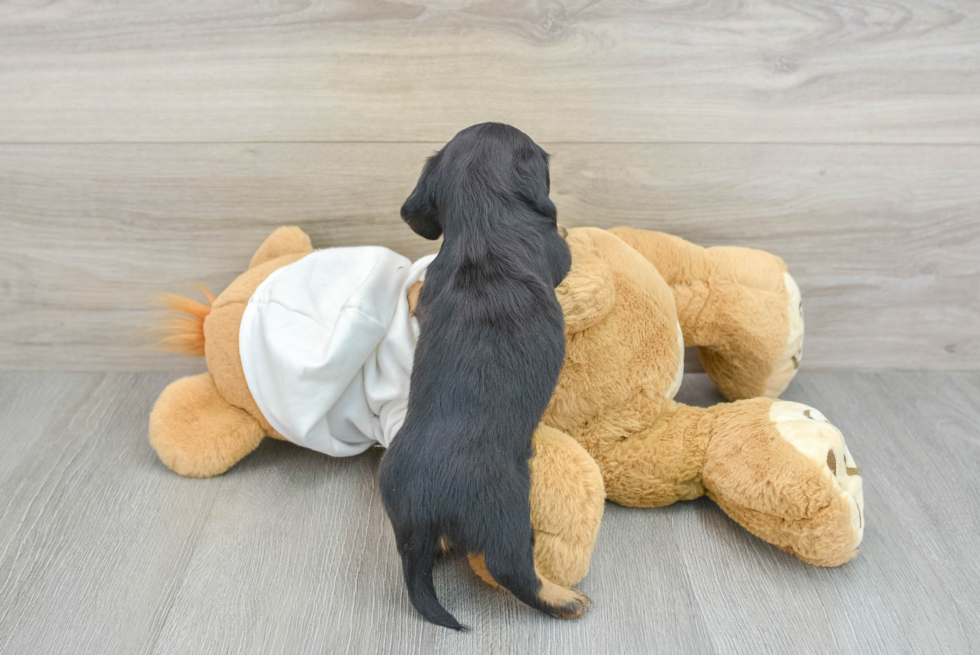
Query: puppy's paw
(563, 603)
(574, 609)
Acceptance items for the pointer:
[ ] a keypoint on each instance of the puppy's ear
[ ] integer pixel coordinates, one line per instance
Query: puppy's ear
(420, 211)
(534, 180)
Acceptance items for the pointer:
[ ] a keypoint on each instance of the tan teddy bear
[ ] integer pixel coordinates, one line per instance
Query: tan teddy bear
(632, 300)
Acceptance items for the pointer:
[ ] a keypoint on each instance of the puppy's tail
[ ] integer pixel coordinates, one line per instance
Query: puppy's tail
(418, 559)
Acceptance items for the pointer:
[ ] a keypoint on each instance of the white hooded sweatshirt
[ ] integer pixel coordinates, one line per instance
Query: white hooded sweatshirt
(326, 344)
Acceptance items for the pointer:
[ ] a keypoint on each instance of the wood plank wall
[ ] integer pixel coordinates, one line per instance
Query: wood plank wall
(147, 143)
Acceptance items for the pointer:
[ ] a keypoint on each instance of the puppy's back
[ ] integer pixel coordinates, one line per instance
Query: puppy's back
(489, 354)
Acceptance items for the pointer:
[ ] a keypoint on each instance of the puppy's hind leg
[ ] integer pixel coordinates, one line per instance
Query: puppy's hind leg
(553, 594)
(512, 565)
(566, 603)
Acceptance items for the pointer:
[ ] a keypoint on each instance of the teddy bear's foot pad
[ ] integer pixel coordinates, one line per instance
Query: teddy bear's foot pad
(789, 361)
(813, 435)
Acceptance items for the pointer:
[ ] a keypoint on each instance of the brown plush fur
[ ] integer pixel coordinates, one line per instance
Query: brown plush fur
(190, 435)
(730, 303)
(609, 429)
(284, 241)
(196, 432)
(653, 451)
(796, 509)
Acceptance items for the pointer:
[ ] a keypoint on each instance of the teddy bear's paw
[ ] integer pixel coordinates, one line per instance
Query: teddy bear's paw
(789, 361)
(814, 436)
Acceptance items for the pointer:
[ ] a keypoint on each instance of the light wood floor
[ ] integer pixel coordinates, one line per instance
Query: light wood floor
(104, 550)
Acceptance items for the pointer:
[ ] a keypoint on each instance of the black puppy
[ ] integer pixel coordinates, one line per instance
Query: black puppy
(489, 353)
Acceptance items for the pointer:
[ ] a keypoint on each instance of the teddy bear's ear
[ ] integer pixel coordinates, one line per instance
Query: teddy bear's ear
(587, 293)
(284, 241)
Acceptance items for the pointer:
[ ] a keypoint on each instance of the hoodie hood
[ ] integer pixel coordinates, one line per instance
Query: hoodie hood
(326, 345)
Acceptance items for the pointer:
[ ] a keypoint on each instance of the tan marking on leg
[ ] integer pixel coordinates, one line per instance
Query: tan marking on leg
(413, 296)
(568, 603)
(479, 566)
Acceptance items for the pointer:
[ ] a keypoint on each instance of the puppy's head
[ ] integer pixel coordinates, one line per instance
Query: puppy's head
(483, 166)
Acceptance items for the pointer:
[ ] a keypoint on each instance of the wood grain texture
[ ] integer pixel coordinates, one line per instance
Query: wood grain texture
(907, 433)
(883, 240)
(92, 543)
(575, 70)
(102, 549)
(28, 406)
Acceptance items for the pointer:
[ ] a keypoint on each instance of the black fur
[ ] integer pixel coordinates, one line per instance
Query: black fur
(491, 347)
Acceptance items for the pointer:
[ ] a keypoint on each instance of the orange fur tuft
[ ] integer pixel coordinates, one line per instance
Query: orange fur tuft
(183, 331)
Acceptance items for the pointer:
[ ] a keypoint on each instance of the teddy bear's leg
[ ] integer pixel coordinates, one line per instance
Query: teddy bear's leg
(750, 322)
(196, 432)
(738, 305)
(284, 241)
(567, 499)
(783, 472)
(650, 451)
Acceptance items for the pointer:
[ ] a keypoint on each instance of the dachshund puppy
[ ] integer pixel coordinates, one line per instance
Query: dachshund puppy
(490, 349)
